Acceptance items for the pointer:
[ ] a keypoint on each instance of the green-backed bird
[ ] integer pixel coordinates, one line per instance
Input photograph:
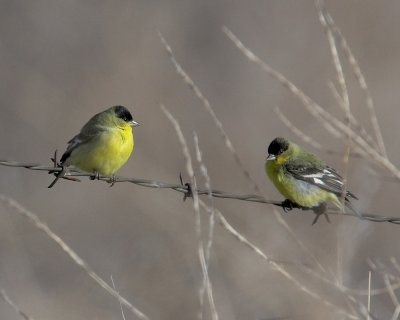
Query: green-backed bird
(104, 143)
(304, 179)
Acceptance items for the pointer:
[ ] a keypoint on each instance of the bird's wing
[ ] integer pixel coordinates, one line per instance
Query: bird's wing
(318, 174)
(85, 136)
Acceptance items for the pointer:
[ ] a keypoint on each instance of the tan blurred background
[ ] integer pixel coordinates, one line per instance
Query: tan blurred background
(63, 61)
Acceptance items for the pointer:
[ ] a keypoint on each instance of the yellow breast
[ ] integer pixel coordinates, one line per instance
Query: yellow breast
(300, 192)
(105, 153)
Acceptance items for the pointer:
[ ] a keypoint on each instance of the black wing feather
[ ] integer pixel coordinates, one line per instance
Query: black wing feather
(318, 174)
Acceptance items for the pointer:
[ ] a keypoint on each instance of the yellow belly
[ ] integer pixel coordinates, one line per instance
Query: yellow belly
(299, 192)
(104, 154)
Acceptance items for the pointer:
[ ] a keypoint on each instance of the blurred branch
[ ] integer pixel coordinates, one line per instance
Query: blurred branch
(313, 143)
(228, 142)
(333, 125)
(119, 298)
(307, 139)
(196, 207)
(186, 78)
(186, 189)
(358, 74)
(34, 220)
(7, 299)
(211, 220)
(279, 267)
(343, 101)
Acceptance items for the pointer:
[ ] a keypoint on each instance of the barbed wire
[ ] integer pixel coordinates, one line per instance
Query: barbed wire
(186, 190)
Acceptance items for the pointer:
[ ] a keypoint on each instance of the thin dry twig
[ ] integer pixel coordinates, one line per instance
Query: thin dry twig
(395, 263)
(360, 78)
(307, 139)
(331, 123)
(369, 294)
(186, 78)
(218, 123)
(300, 243)
(12, 304)
(297, 131)
(278, 266)
(353, 121)
(204, 172)
(344, 97)
(373, 292)
(390, 290)
(396, 313)
(35, 221)
(344, 101)
(306, 100)
(119, 298)
(336, 60)
(190, 172)
(381, 269)
(211, 220)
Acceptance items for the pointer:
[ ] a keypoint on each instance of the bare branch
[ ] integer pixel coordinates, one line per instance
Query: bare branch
(211, 220)
(119, 298)
(190, 172)
(297, 131)
(276, 266)
(332, 124)
(209, 109)
(360, 78)
(35, 221)
(12, 304)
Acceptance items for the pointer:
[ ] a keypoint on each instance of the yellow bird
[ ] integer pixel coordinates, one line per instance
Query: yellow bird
(304, 179)
(103, 145)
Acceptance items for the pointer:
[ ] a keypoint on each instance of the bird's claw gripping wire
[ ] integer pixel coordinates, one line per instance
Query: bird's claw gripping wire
(113, 180)
(95, 176)
(288, 205)
(188, 187)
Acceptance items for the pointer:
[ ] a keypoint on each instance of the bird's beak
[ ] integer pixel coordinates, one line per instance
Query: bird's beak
(271, 157)
(133, 123)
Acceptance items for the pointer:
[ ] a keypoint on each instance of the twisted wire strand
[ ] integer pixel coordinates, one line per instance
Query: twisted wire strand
(186, 189)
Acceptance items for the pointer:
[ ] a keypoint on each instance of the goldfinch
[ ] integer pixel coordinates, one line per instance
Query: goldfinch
(304, 179)
(104, 143)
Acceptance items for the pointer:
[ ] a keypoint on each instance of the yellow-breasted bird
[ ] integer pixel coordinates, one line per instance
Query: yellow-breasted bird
(304, 179)
(103, 145)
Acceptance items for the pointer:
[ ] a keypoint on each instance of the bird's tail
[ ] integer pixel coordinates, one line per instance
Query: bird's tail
(348, 205)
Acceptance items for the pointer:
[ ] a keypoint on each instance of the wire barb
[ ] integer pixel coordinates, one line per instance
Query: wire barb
(187, 186)
(59, 174)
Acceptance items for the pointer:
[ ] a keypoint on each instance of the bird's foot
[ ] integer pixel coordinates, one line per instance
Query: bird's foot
(95, 176)
(112, 180)
(320, 210)
(288, 205)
